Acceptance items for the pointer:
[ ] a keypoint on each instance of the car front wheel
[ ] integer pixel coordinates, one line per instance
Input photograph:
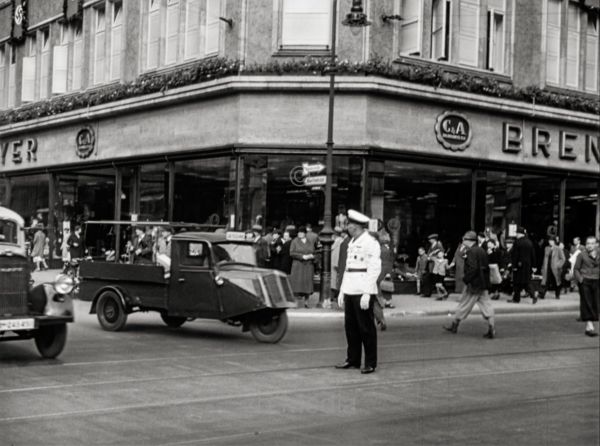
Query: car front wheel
(50, 340)
(270, 330)
(111, 312)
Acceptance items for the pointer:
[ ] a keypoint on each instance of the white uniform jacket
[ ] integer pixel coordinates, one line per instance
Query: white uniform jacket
(363, 266)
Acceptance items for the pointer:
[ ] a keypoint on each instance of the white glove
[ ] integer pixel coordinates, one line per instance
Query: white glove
(364, 301)
(340, 299)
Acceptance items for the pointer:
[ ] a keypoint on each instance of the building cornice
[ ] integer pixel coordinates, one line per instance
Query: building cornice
(369, 85)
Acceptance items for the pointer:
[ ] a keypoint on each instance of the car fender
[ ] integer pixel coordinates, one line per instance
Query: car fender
(118, 291)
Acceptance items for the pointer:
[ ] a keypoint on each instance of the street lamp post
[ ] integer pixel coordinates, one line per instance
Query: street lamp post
(356, 18)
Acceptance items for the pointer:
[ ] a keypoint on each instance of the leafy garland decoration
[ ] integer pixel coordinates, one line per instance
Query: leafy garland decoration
(210, 69)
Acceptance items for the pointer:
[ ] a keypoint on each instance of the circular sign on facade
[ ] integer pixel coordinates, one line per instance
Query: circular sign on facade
(453, 131)
(85, 141)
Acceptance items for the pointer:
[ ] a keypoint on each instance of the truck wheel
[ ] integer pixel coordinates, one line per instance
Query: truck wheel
(173, 321)
(270, 330)
(111, 313)
(51, 339)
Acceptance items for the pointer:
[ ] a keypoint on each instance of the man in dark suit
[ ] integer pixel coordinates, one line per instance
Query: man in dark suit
(522, 259)
(435, 246)
(477, 281)
(141, 246)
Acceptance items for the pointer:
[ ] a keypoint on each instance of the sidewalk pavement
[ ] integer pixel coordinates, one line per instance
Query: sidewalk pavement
(412, 305)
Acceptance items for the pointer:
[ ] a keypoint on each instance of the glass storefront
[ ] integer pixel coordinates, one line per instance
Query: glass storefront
(411, 199)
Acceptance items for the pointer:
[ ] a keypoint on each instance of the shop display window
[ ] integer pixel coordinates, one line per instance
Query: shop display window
(582, 216)
(154, 191)
(419, 200)
(204, 191)
(29, 197)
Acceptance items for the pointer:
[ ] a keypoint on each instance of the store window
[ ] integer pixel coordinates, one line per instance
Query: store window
(276, 191)
(422, 199)
(204, 191)
(306, 24)
(81, 196)
(29, 197)
(154, 191)
(581, 209)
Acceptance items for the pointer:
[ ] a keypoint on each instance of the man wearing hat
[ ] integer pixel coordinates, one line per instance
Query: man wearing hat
(358, 292)
(263, 253)
(477, 281)
(522, 259)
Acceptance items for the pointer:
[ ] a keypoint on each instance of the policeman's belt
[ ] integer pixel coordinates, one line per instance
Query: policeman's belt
(356, 270)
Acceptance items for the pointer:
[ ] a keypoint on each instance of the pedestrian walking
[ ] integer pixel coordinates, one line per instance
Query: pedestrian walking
(494, 253)
(421, 269)
(522, 259)
(358, 293)
(435, 246)
(552, 268)
(338, 238)
(477, 282)
(385, 284)
(506, 268)
(276, 248)
(458, 263)
(576, 249)
(587, 274)
(285, 259)
(438, 274)
(37, 248)
(302, 252)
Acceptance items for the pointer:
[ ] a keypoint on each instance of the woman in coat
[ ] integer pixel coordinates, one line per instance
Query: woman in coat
(302, 252)
(37, 248)
(458, 263)
(554, 259)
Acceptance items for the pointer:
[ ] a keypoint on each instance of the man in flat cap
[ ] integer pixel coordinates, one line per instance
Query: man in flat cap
(477, 281)
(358, 292)
(523, 260)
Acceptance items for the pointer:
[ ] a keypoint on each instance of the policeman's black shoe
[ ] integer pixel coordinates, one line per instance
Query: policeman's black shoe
(367, 369)
(591, 333)
(346, 365)
(491, 333)
(452, 328)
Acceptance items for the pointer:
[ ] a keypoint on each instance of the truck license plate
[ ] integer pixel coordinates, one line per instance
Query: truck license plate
(16, 324)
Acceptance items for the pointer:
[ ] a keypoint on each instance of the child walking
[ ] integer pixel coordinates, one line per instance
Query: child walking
(440, 265)
(420, 268)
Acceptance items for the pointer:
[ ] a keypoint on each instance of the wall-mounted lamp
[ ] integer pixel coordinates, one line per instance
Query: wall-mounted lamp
(228, 21)
(385, 18)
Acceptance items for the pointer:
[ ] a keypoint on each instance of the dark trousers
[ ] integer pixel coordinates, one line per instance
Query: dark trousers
(518, 287)
(360, 331)
(590, 295)
(427, 284)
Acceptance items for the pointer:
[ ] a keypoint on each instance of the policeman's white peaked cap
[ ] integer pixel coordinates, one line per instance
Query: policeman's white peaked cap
(357, 217)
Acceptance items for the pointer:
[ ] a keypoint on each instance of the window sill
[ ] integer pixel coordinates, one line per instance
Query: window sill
(302, 52)
(453, 68)
(176, 66)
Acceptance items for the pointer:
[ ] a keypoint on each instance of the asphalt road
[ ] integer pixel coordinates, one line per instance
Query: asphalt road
(208, 383)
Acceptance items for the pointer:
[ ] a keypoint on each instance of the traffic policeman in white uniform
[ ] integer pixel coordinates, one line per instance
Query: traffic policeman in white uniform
(358, 292)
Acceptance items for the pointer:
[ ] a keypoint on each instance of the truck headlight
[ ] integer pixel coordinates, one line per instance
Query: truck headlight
(63, 284)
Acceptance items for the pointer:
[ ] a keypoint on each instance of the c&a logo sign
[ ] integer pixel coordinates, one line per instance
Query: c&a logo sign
(453, 131)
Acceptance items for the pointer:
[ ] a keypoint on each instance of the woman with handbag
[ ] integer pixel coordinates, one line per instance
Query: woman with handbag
(494, 258)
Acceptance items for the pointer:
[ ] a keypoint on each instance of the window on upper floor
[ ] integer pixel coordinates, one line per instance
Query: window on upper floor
(45, 68)
(28, 73)
(99, 44)
(175, 31)
(468, 33)
(12, 73)
(496, 36)
(440, 29)
(573, 44)
(571, 40)
(3, 73)
(592, 50)
(67, 59)
(116, 39)
(305, 24)
(411, 25)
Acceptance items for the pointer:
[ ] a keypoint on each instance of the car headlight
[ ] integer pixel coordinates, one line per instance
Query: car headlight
(63, 284)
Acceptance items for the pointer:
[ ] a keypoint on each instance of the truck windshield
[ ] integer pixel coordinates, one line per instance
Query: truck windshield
(234, 252)
(8, 231)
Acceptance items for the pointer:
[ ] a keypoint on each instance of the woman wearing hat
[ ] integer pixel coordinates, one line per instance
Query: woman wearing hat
(302, 252)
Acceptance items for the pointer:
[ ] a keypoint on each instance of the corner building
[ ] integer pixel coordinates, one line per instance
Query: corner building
(464, 114)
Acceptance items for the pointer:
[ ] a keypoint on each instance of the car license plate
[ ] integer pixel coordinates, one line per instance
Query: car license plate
(16, 324)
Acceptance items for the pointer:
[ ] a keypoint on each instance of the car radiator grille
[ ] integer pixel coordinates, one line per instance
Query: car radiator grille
(278, 288)
(14, 283)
